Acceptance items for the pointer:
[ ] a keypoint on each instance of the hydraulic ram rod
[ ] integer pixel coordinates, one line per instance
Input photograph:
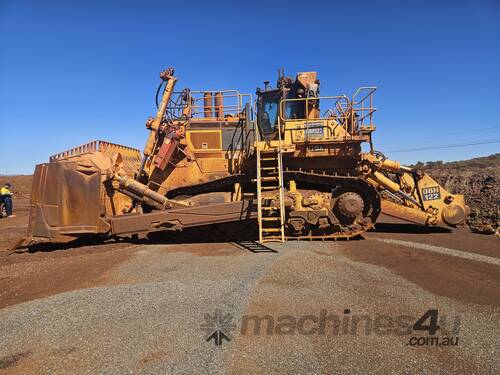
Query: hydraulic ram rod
(141, 192)
(166, 75)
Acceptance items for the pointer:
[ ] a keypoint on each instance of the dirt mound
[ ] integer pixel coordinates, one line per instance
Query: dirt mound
(479, 181)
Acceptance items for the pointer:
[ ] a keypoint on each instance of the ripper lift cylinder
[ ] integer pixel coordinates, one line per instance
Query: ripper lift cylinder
(166, 75)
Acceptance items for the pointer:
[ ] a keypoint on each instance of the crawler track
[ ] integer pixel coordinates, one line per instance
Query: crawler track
(315, 180)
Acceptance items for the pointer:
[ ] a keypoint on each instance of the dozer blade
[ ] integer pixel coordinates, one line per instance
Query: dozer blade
(71, 197)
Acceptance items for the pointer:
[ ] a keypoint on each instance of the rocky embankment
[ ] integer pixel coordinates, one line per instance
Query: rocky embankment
(479, 180)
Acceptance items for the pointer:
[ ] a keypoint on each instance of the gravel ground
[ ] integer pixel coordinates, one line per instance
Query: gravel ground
(444, 250)
(151, 325)
(336, 283)
(148, 317)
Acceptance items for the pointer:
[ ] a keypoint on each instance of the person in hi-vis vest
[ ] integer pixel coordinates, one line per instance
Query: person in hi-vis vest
(7, 199)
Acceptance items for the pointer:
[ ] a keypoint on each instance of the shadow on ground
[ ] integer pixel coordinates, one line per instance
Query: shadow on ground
(228, 232)
(407, 228)
(243, 235)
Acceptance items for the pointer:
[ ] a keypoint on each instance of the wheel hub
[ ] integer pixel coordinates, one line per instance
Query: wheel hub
(350, 205)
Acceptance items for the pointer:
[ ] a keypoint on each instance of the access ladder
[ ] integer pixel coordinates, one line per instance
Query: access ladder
(271, 213)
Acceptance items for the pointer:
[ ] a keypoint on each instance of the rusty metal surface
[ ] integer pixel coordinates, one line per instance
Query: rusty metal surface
(176, 219)
(106, 147)
(72, 195)
(65, 202)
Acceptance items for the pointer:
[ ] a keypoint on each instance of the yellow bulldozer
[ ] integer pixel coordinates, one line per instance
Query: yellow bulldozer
(287, 160)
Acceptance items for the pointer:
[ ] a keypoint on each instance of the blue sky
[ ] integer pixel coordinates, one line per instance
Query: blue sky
(75, 71)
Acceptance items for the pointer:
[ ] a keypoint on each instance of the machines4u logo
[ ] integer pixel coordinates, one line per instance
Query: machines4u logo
(430, 329)
(430, 323)
(218, 327)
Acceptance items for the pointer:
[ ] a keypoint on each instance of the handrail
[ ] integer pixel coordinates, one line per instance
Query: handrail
(195, 102)
(351, 113)
(307, 100)
(364, 112)
(370, 89)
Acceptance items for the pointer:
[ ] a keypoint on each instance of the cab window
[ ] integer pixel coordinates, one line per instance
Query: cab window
(267, 111)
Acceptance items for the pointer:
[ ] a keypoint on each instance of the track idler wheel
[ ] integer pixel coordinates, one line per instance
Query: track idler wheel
(350, 205)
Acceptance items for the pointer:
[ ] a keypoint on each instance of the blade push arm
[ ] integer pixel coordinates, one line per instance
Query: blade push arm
(411, 194)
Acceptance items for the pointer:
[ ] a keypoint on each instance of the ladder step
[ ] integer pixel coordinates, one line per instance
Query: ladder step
(271, 223)
(267, 178)
(271, 239)
(269, 168)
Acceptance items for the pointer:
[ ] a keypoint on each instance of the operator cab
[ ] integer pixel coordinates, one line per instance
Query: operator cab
(268, 111)
(270, 106)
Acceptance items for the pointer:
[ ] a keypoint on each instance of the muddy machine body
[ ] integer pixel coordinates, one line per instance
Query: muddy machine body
(291, 163)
